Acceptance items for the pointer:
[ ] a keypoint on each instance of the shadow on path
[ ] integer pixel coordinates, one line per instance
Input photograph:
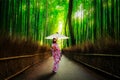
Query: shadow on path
(46, 76)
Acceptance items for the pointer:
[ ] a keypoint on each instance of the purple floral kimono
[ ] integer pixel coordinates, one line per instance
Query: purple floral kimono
(56, 53)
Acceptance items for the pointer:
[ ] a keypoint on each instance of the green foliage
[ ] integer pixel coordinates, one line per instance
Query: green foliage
(36, 19)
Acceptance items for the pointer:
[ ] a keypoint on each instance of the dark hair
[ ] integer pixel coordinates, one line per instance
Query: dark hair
(53, 40)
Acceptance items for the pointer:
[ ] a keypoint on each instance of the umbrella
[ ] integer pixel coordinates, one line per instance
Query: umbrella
(57, 35)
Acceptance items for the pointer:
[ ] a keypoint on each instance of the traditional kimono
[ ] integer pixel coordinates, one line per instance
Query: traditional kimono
(56, 53)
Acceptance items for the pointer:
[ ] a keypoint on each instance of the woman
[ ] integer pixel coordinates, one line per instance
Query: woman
(56, 53)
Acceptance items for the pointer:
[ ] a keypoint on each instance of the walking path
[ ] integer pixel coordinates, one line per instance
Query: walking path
(68, 70)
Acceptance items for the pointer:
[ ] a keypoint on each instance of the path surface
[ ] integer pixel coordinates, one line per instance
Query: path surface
(68, 70)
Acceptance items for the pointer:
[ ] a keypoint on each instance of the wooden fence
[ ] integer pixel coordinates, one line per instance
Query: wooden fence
(12, 66)
(106, 63)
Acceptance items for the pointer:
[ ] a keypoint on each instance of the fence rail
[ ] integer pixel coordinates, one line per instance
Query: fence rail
(105, 55)
(16, 57)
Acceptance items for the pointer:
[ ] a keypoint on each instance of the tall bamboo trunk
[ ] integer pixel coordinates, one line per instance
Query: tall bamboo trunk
(70, 23)
(28, 19)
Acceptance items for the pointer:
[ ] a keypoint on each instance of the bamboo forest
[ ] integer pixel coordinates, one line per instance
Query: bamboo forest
(81, 20)
(91, 31)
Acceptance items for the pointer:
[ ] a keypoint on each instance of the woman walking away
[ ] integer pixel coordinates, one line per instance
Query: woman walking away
(56, 53)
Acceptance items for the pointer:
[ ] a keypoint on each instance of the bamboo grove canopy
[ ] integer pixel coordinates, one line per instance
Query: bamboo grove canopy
(81, 20)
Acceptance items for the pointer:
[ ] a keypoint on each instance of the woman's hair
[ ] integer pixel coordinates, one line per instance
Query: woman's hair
(54, 40)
